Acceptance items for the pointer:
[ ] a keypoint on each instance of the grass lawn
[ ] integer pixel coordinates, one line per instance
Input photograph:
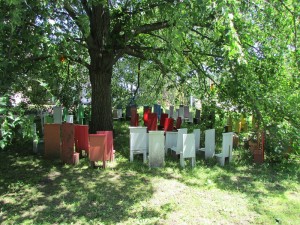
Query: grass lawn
(38, 191)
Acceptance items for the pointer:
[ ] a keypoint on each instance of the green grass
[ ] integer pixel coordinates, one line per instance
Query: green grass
(38, 191)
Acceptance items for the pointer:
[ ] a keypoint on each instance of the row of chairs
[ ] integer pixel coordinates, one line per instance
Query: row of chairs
(181, 143)
(67, 141)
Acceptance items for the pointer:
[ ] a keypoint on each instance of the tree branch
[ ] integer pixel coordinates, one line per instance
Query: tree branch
(73, 15)
(79, 60)
(86, 8)
(147, 28)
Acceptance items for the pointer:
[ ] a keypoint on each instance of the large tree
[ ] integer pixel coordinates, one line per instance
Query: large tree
(233, 43)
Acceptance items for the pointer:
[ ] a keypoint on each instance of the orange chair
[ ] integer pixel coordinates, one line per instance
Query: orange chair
(110, 144)
(98, 148)
(67, 143)
(52, 141)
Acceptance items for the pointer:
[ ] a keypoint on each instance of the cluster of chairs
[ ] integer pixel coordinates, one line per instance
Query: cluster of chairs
(68, 141)
(155, 145)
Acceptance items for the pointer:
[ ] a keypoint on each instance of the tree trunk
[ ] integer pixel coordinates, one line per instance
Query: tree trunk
(100, 77)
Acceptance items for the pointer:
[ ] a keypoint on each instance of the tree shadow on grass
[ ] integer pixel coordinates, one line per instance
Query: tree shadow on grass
(64, 194)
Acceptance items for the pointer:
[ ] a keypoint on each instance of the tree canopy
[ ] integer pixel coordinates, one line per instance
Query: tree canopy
(249, 50)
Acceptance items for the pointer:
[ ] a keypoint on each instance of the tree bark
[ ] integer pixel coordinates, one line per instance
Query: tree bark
(100, 70)
(100, 77)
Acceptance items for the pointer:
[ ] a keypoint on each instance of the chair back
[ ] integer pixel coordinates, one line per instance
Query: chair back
(197, 138)
(210, 143)
(227, 144)
(138, 138)
(179, 146)
(188, 146)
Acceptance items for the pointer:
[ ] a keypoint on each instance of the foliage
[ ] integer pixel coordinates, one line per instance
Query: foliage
(16, 128)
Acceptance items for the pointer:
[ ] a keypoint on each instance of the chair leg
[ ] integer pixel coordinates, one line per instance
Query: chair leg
(131, 156)
(193, 162)
(144, 157)
(221, 161)
(182, 163)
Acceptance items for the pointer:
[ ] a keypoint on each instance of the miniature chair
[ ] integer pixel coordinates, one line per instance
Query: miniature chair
(186, 112)
(226, 148)
(152, 121)
(178, 123)
(156, 148)
(163, 118)
(134, 121)
(81, 138)
(188, 149)
(197, 133)
(171, 140)
(209, 148)
(179, 145)
(68, 155)
(171, 111)
(145, 116)
(52, 140)
(98, 148)
(157, 110)
(57, 114)
(169, 124)
(69, 118)
(138, 142)
(115, 114)
(119, 113)
(110, 144)
(181, 112)
(191, 118)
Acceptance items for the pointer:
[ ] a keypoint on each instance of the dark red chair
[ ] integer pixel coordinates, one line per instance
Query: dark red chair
(81, 138)
(152, 121)
(169, 124)
(178, 123)
(163, 117)
(134, 118)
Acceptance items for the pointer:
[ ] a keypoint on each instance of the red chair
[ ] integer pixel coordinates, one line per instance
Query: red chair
(110, 144)
(68, 155)
(134, 118)
(98, 148)
(178, 123)
(146, 112)
(152, 121)
(163, 117)
(169, 124)
(81, 138)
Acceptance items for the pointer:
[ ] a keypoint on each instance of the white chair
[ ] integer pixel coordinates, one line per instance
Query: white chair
(186, 112)
(115, 114)
(57, 114)
(191, 117)
(119, 113)
(188, 150)
(171, 111)
(69, 118)
(156, 149)
(171, 140)
(210, 144)
(181, 112)
(226, 148)
(138, 142)
(175, 114)
(179, 145)
(197, 133)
